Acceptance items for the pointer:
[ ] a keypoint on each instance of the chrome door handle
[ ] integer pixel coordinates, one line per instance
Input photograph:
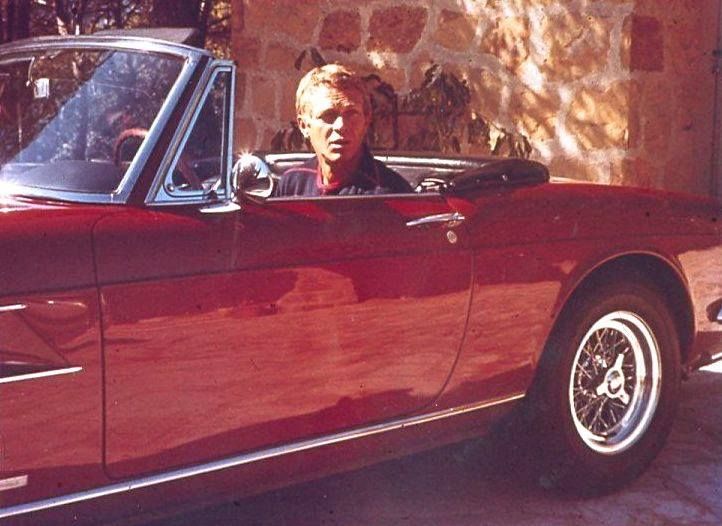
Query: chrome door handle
(451, 219)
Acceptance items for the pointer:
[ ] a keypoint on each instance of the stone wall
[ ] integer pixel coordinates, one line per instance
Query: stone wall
(613, 91)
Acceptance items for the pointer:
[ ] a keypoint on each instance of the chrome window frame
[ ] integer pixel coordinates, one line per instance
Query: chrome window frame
(159, 195)
(191, 58)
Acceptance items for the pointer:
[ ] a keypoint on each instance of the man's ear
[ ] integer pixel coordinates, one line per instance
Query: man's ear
(303, 126)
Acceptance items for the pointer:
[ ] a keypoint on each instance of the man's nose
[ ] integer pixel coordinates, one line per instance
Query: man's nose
(339, 122)
(345, 119)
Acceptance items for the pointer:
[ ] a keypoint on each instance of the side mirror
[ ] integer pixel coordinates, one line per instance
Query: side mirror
(252, 179)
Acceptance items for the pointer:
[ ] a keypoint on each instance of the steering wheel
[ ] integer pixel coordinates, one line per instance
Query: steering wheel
(184, 166)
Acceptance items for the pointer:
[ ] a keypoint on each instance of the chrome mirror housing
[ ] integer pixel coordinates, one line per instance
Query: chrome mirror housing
(252, 179)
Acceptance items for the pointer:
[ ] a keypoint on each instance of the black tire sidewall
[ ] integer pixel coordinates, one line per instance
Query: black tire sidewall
(572, 464)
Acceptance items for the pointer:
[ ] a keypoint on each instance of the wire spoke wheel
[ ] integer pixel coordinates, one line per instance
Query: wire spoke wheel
(615, 382)
(607, 386)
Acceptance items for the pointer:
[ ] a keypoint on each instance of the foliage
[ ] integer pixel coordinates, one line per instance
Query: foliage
(442, 101)
(23, 18)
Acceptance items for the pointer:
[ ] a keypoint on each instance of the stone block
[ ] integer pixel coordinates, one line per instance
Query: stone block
(280, 57)
(267, 134)
(287, 103)
(657, 112)
(292, 18)
(579, 169)
(240, 95)
(688, 170)
(424, 60)
(508, 40)
(455, 30)
(246, 52)
(341, 31)
(394, 76)
(263, 91)
(599, 118)
(643, 44)
(579, 45)
(537, 113)
(396, 29)
(634, 171)
(485, 89)
(244, 135)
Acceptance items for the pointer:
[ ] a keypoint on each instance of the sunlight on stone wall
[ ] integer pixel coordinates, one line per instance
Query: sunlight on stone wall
(612, 91)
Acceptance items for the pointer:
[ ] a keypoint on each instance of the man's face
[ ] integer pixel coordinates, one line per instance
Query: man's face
(335, 123)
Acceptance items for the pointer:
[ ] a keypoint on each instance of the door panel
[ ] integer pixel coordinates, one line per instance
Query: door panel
(311, 316)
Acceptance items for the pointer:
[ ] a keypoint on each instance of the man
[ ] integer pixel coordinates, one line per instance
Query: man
(334, 113)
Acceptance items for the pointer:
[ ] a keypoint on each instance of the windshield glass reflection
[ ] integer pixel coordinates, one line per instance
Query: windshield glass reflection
(73, 119)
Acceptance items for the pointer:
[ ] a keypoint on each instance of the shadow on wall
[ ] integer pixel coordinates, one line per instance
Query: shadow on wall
(436, 116)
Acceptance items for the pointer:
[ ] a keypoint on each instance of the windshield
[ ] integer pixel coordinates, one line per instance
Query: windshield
(73, 119)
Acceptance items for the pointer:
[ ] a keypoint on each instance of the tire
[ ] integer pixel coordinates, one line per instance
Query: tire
(606, 392)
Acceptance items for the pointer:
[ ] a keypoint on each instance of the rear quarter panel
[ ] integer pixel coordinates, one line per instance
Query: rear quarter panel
(532, 248)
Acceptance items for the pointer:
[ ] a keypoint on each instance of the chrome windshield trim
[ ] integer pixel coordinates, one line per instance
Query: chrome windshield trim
(159, 193)
(249, 458)
(41, 374)
(230, 191)
(191, 58)
(126, 43)
(156, 129)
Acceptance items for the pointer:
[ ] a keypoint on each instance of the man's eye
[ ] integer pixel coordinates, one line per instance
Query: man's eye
(351, 114)
(328, 117)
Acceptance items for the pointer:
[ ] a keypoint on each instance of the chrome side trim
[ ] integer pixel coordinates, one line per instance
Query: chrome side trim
(13, 482)
(14, 307)
(248, 458)
(41, 374)
(220, 208)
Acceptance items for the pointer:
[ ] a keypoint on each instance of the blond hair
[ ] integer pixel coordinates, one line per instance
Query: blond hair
(334, 76)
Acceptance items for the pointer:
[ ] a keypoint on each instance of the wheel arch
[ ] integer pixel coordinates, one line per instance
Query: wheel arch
(657, 272)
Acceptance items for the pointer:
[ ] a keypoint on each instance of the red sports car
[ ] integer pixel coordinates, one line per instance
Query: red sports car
(168, 331)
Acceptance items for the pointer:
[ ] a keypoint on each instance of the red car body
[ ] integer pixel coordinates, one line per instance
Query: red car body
(164, 350)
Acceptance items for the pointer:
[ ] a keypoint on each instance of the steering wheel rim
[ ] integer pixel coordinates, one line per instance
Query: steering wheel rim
(184, 167)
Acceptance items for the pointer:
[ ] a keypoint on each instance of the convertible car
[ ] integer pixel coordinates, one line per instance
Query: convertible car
(169, 331)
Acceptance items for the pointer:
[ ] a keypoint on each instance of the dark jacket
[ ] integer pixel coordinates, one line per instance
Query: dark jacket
(372, 177)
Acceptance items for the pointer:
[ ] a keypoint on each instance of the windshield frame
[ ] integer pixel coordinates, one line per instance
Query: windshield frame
(191, 58)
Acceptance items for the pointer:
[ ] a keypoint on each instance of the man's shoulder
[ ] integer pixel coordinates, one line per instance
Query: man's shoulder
(390, 178)
(298, 180)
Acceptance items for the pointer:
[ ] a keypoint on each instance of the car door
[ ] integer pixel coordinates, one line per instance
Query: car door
(228, 331)
(272, 324)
